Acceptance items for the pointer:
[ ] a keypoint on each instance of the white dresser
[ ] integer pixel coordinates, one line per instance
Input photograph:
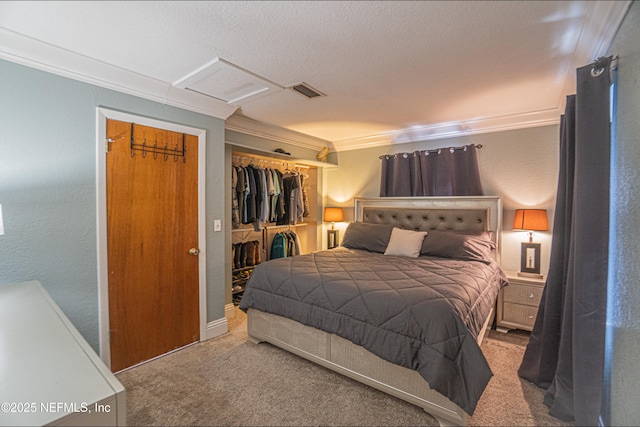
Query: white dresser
(48, 372)
(518, 303)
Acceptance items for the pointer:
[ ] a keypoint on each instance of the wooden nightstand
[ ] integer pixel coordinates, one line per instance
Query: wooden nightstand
(518, 303)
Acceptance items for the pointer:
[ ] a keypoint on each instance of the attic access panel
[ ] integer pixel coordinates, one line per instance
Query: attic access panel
(223, 80)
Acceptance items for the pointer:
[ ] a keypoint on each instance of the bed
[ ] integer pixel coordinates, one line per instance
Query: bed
(396, 308)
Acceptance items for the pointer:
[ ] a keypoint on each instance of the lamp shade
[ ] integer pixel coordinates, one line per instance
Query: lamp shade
(333, 215)
(531, 219)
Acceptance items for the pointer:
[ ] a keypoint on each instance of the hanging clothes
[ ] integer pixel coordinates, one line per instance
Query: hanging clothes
(280, 207)
(285, 244)
(293, 199)
(279, 246)
(239, 193)
(246, 193)
(267, 196)
(255, 197)
(235, 210)
(293, 246)
(305, 197)
(267, 192)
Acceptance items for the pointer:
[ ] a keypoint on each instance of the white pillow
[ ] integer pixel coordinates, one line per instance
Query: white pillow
(405, 242)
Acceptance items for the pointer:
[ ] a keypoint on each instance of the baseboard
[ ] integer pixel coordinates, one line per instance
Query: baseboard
(229, 311)
(216, 328)
(220, 326)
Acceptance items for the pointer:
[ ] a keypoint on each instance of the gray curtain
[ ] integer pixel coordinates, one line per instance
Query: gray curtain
(449, 171)
(565, 353)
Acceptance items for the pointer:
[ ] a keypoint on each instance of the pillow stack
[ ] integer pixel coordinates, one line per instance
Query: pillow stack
(390, 240)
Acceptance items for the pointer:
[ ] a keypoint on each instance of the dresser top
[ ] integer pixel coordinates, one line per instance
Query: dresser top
(45, 362)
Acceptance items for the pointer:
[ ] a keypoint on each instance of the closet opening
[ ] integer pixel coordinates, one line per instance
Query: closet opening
(274, 213)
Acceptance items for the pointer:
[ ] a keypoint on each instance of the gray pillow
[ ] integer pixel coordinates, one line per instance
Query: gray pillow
(459, 245)
(371, 237)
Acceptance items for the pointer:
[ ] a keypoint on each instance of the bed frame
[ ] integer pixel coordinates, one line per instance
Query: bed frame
(342, 356)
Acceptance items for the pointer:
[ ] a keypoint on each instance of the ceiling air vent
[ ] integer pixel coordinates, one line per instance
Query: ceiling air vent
(306, 90)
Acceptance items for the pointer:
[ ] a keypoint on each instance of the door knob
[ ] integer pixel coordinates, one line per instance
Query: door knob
(194, 251)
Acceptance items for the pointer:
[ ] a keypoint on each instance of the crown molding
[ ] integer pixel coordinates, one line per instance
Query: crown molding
(599, 29)
(253, 127)
(453, 130)
(37, 54)
(609, 15)
(256, 128)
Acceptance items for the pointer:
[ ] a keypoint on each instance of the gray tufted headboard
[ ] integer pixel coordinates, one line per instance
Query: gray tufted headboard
(475, 213)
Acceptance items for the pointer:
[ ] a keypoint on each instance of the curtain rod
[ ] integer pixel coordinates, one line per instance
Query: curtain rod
(434, 151)
(274, 162)
(599, 65)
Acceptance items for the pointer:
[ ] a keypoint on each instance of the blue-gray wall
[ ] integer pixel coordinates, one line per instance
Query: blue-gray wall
(48, 187)
(623, 332)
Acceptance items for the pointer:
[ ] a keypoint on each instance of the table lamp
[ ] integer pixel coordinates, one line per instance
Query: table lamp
(530, 220)
(333, 215)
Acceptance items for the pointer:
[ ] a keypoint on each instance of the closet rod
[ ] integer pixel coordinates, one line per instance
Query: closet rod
(298, 224)
(270, 227)
(275, 162)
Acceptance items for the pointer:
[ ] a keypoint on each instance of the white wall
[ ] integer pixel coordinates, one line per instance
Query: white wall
(520, 165)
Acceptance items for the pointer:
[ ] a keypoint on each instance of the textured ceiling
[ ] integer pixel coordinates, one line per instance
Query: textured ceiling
(393, 71)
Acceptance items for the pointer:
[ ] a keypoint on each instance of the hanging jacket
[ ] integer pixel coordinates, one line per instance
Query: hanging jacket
(235, 209)
(279, 246)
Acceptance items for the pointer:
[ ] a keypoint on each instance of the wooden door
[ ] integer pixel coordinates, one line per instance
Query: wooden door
(152, 224)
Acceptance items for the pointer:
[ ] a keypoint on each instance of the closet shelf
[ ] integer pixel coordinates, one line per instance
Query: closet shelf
(270, 155)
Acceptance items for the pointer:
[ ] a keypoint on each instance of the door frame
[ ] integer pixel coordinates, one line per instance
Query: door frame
(102, 115)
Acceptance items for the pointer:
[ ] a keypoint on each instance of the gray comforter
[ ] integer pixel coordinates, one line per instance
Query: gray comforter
(422, 313)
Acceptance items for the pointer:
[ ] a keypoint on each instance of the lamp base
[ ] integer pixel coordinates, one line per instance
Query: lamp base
(333, 239)
(531, 275)
(530, 260)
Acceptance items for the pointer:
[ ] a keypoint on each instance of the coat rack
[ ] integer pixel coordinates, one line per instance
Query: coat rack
(165, 151)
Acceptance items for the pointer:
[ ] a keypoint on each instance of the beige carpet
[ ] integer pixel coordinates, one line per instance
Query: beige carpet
(228, 381)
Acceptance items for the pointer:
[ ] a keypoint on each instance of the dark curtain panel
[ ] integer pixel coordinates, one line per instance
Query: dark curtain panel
(443, 172)
(396, 176)
(427, 164)
(468, 175)
(565, 353)
(416, 175)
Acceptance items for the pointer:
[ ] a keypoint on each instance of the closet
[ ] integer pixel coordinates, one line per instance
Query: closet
(274, 212)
